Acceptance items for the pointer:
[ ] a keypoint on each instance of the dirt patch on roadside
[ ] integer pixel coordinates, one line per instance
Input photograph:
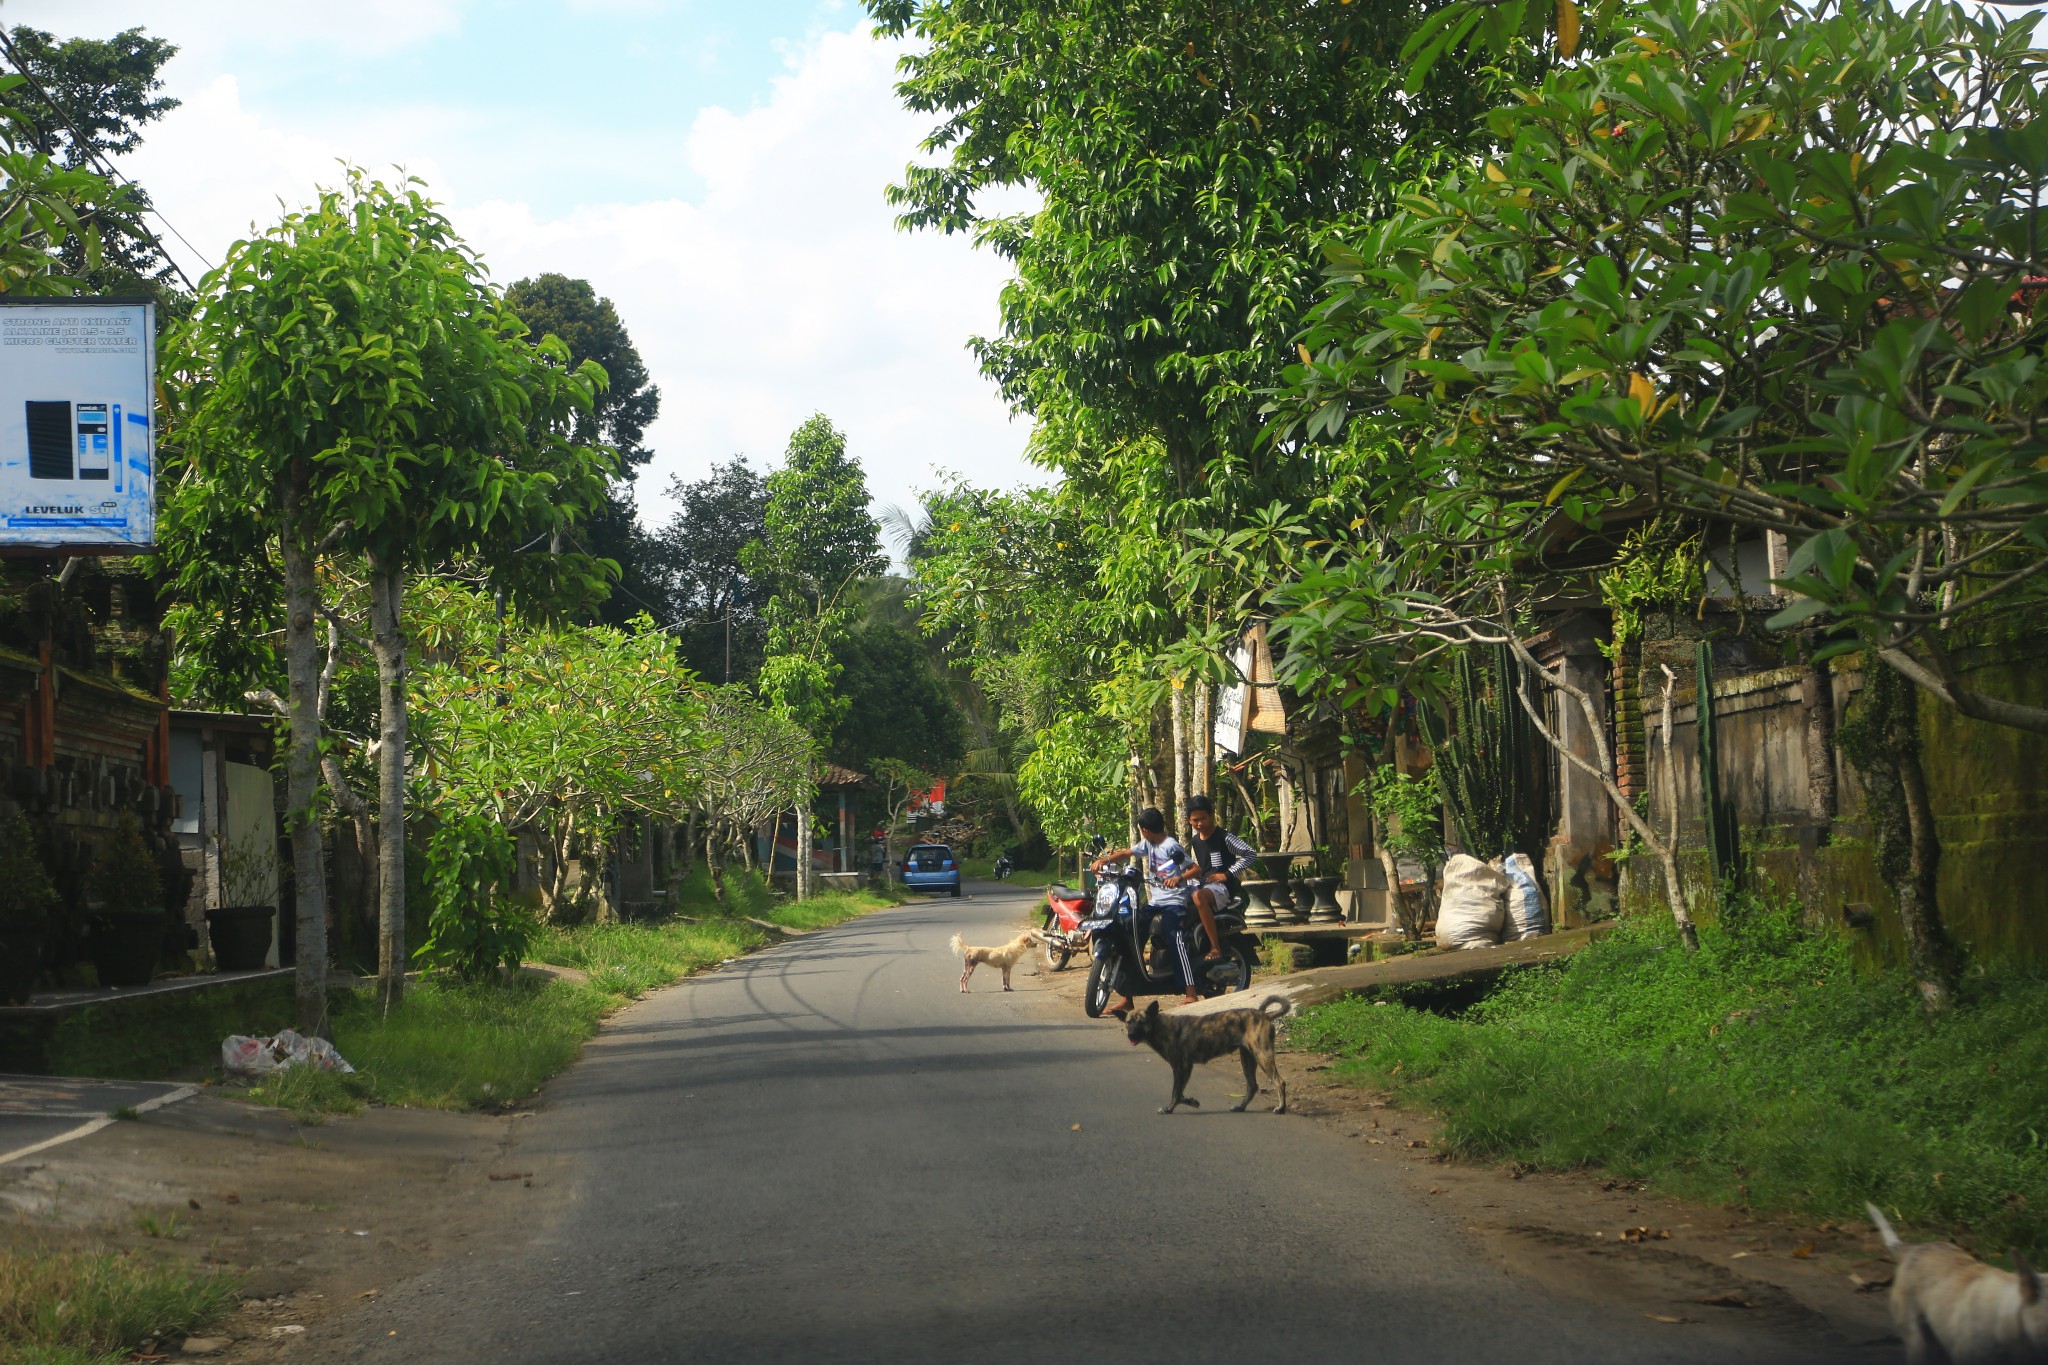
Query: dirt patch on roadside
(1589, 1235)
(314, 1217)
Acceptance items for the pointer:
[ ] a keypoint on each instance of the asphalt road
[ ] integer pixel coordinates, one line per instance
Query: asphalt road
(824, 1153)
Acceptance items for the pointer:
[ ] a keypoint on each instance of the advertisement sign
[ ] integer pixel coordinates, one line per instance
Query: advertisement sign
(77, 467)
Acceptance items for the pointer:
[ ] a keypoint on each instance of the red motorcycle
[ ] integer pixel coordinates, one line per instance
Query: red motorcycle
(1062, 933)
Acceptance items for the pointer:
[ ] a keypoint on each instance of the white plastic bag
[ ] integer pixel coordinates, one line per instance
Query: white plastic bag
(1472, 911)
(1526, 915)
(245, 1056)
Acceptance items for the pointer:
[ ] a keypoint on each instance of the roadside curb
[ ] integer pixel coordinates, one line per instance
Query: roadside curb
(1320, 985)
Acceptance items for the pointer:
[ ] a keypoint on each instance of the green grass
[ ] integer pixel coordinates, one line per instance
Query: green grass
(984, 869)
(456, 1045)
(84, 1308)
(1765, 1070)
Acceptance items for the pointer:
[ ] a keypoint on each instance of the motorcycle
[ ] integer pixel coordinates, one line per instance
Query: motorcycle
(1061, 933)
(1003, 867)
(1121, 965)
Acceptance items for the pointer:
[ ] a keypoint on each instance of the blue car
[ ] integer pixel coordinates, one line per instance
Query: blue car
(931, 867)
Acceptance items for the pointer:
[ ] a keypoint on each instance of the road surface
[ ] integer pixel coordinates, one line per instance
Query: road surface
(825, 1153)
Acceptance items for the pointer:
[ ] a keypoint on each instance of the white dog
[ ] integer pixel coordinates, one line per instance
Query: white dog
(1004, 957)
(1952, 1309)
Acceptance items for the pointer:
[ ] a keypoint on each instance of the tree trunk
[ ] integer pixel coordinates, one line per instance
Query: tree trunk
(387, 640)
(1883, 740)
(715, 863)
(1409, 922)
(1601, 770)
(1177, 702)
(302, 767)
(803, 853)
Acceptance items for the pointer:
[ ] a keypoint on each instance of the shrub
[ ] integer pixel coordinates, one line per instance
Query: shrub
(1766, 1069)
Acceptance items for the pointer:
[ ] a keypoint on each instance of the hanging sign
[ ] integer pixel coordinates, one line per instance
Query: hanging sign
(77, 466)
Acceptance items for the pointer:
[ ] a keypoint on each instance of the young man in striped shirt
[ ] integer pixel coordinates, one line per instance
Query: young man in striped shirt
(1219, 857)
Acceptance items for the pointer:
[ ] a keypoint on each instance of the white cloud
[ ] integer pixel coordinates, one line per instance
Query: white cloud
(359, 27)
(780, 288)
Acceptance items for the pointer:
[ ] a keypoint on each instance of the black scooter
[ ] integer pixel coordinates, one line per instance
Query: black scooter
(1117, 934)
(1003, 867)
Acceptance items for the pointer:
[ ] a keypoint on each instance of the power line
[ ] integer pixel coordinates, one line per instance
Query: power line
(92, 153)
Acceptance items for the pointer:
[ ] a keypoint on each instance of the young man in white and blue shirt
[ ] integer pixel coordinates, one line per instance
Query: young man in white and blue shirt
(1168, 868)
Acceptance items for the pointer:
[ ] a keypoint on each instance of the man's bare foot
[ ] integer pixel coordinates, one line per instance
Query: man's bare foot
(1192, 1000)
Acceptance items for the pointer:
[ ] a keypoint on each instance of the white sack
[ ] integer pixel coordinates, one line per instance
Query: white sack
(244, 1056)
(1526, 916)
(1474, 905)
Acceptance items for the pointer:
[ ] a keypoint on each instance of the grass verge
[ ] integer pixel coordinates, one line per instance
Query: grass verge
(1765, 1070)
(984, 869)
(455, 1045)
(89, 1307)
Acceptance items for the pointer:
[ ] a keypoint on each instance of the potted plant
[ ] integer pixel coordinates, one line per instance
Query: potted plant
(125, 895)
(1323, 885)
(239, 928)
(26, 899)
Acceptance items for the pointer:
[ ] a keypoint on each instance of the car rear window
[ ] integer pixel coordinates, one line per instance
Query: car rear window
(930, 859)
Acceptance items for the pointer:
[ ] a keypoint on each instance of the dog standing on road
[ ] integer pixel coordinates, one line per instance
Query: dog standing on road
(1004, 957)
(1950, 1307)
(1186, 1041)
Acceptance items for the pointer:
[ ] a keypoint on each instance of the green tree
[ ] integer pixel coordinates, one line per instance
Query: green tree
(556, 305)
(353, 385)
(700, 556)
(84, 101)
(897, 707)
(818, 539)
(46, 209)
(1772, 268)
(1185, 159)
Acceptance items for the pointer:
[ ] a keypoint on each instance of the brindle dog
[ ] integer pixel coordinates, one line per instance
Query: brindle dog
(1186, 1041)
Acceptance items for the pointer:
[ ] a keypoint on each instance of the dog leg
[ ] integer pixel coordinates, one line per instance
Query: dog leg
(1181, 1072)
(1006, 976)
(966, 972)
(1251, 1079)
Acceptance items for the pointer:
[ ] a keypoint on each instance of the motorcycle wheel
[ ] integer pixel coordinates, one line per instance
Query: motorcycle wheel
(1102, 974)
(1242, 956)
(1056, 958)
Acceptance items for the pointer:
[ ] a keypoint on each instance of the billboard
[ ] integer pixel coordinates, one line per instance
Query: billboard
(77, 467)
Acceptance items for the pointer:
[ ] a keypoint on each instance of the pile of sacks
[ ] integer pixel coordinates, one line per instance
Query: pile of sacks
(1488, 903)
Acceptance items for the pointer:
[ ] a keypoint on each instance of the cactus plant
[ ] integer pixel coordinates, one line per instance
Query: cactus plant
(1723, 840)
(1489, 757)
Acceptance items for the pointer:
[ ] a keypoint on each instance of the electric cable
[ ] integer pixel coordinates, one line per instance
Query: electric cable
(93, 154)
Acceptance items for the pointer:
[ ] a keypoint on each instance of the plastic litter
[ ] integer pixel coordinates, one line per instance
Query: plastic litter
(1526, 915)
(1473, 908)
(244, 1056)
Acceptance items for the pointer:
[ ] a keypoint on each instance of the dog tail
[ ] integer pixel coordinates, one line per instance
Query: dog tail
(1266, 1006)
(959, 946)
(1884, 1230)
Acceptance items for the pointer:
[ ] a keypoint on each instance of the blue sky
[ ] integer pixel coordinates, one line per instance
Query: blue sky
(715, 169)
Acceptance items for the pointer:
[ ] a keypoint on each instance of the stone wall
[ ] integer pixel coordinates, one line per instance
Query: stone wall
(1988, 785)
